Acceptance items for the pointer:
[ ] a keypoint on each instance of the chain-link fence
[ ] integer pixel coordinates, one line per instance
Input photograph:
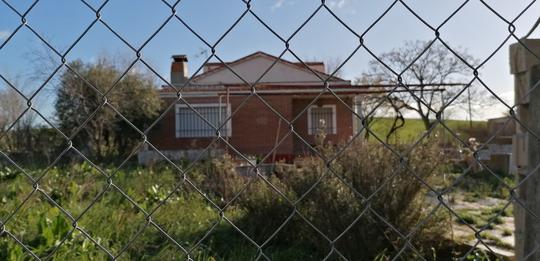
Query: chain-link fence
(266, 158)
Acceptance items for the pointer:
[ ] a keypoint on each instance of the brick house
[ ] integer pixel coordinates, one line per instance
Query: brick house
(254, 129)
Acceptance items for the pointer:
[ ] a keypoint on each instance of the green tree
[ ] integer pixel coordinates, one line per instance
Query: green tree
(80, 100)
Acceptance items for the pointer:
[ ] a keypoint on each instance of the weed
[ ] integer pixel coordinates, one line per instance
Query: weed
(507, 232)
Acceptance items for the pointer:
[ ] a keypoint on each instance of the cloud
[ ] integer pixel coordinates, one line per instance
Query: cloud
(4, 35)
(278, 4)
(337, 3)
(507, 96)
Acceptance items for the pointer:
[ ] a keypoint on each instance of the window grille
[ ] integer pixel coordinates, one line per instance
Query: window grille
(191, 125)
(322, 119)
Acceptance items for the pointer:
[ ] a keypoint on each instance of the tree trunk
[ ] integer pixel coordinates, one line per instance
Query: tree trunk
(427, 122)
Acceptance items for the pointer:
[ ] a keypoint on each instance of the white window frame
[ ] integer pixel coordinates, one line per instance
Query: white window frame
(334, 118)
(198, 105)
(357, 122)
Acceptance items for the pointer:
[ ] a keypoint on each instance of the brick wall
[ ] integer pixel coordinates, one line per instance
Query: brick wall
(255, 126)
(344, 123)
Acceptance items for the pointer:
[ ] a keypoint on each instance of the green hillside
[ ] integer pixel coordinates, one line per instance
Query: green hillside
(414, 128)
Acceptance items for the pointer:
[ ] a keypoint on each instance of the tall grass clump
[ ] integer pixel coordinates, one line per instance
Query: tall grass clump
(359, 205)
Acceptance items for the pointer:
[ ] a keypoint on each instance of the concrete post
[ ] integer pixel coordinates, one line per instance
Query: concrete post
(526, 70)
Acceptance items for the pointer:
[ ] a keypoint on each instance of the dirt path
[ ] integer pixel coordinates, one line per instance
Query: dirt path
(497, 237)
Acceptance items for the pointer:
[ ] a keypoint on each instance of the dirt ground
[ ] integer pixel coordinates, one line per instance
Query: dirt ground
(499, 237)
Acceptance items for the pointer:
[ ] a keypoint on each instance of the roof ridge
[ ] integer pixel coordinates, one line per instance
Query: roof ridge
(300, 65)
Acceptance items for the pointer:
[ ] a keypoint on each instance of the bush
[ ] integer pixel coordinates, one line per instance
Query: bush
(340, 212)
(485, 184)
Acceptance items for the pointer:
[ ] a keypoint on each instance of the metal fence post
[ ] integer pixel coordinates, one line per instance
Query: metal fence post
(525, 66)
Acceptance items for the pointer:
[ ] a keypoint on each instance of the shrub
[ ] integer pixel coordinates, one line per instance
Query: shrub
(334, 203)
(470, 219)
(221, 179)
(485, 184)
(507, 232)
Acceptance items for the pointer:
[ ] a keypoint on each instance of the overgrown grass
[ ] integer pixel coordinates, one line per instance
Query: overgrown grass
(467, 216)
(204, 216)
(495, 240)
(483, 184)
(480, 217)
(507, 232)
(112, 220)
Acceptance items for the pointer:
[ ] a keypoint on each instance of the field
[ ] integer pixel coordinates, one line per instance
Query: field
(414, 128)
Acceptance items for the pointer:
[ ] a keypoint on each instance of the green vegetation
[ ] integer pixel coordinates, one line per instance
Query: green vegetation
(484, 184)
(481, 255)
(507, 232)
(414, 128)
(495, 240)
(505, 212)
(480, 217)
(211, 230)
(467, 218)
(471, 217)
(112, 221)
(199, 226)
(105, 134)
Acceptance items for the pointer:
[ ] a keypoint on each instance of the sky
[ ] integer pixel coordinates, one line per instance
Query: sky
(475, 28)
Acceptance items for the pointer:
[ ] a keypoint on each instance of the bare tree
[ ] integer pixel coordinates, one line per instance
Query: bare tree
(370, 107)
(16, 121)
(435, 66)
(11, 107)
(332, 64)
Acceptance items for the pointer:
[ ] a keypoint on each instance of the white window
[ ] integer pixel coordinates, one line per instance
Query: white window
(322, 118)
(191, 125)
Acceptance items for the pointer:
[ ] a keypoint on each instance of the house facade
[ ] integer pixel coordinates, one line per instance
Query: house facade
(277, 120)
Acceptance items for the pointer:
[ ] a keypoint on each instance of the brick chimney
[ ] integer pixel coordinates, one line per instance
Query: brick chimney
(179, 69)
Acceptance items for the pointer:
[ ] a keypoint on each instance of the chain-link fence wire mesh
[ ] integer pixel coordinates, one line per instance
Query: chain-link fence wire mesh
(188, 251)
